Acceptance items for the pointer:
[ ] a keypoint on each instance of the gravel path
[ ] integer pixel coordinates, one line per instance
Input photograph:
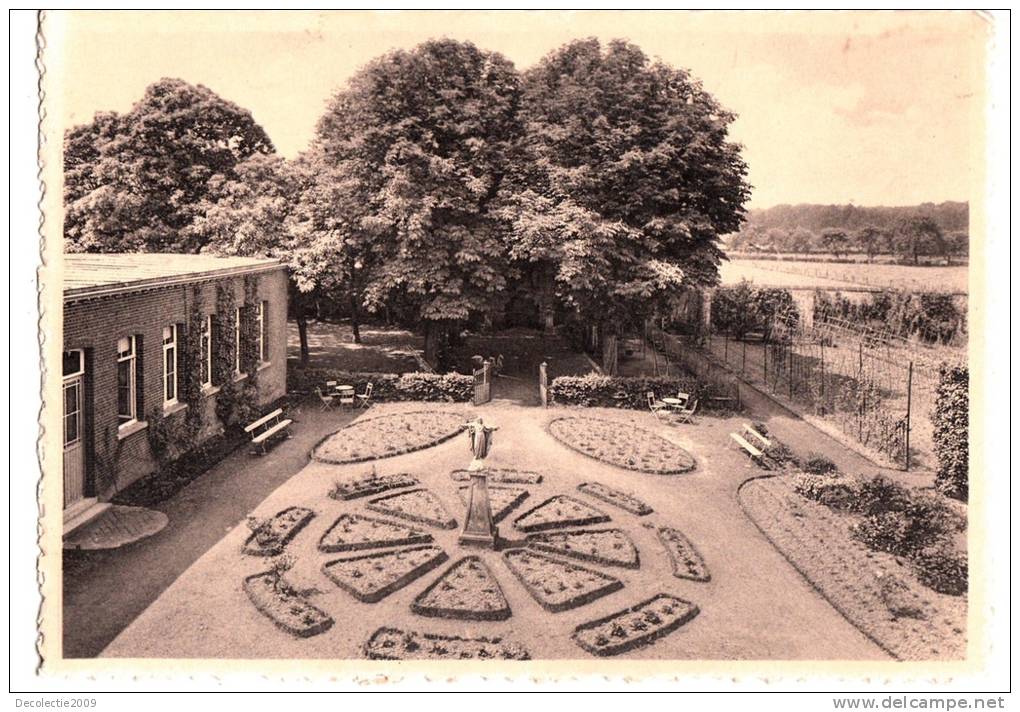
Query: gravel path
(756, 605)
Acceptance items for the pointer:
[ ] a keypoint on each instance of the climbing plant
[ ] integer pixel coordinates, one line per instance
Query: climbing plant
(237, 401)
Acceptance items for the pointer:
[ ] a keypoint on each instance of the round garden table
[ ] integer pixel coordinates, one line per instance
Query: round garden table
(675, 402)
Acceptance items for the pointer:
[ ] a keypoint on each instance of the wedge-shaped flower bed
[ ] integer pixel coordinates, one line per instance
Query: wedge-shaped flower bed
(467, 591)
(388, 436)
(281, 604)
(615, 497)
(559, 585)
(419, 506)
(609, 547)
(499, 476)
(374, 484)
(351, 532)
(273, 535)
(396, 644)
(373, 577)
(559, 512)
(634, 627)
(502, 500)
(687, 562)
(622, 445)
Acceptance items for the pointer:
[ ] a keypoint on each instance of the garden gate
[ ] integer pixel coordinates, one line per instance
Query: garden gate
(483, 383)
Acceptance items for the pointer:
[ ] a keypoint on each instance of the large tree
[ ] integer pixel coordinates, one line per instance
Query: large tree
(626, 179)
(918, 236)
(134, 182)
(426, 135)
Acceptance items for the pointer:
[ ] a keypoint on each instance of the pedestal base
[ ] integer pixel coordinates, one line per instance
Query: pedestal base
(487, 541)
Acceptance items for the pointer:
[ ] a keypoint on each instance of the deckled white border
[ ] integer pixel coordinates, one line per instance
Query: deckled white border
(23, 392)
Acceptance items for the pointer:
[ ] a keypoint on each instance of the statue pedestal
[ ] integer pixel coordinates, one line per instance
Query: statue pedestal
(478, 527)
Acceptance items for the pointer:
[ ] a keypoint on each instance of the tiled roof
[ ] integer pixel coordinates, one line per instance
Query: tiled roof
(87, 275)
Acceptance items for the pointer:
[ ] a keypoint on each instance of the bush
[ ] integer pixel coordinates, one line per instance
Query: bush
(842, 493)
(942, 568)
(594, 390)
(819, 465)
(880, 494)
(950, 418)
(415, 386)
(744, 308)
(781, 454)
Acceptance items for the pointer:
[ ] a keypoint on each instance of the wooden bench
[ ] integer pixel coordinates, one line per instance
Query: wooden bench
(755, 454)
(757, 437)
(267, 429)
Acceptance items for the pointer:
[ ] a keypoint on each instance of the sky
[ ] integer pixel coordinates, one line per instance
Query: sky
(833, 107)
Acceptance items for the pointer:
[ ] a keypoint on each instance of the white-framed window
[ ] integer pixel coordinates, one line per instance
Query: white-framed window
(127, 375)
(237, 341)
(263, 332)
(206, 344)
(170, 364)
(73, 370)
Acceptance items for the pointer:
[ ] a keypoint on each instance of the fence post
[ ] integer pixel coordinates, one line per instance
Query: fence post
(906, 436)
(765, 363)
(743, 359)
(543, 383)
(791, 370)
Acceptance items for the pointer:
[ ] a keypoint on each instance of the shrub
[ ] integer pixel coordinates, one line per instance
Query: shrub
(841, 493)
(880, 494)
(819, 465)
(594, 390)
(781, 454)
(415, 386)
(950, 418)
(884, 531)
(942, 568)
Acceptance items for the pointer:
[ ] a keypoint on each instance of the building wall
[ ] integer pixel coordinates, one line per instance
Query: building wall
(97, 325)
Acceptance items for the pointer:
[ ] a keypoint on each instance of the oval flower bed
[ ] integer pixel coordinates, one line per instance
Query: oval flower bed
(622, 445)
(388, 436)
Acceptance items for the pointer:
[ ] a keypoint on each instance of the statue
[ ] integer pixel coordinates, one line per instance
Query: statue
(478, 527)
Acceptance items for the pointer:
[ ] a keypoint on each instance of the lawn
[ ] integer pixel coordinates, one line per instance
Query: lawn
(330, 345)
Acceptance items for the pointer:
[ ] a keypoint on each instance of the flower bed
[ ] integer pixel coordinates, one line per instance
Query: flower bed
(615, 497)
(388, 436)
(467, 591)
(415, 386)
(622, 445)
(372, 577)
(634, 627)
(500, 476)
(373, 484)
(269, 537)
(594, 390)
(687, 562)
(870, 589)
(558, 585)
(559, 512)
(282, 605)
(609, 547)
(502, 500)
(352, 532)
(419, 506)
(396, 644)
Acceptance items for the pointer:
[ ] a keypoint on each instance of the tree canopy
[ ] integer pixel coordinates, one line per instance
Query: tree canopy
(135, 182)
(625, 179)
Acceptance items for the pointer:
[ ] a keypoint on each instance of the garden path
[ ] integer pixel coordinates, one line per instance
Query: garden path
(756, 606)
(105, 590)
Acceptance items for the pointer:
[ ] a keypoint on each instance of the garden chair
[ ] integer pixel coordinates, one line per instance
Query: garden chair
(657, 407)
(685, 414)
(684, 398)
(346, 397)
(365, 398)
(327, 400)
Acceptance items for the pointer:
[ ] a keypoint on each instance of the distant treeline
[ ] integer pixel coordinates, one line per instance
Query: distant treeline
(910, 231)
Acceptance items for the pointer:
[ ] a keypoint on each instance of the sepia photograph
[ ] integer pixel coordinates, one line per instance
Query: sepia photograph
(615, 343)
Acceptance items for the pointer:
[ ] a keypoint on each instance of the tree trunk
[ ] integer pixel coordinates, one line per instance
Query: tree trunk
(302, 327)
(432, 345)
(355, 316)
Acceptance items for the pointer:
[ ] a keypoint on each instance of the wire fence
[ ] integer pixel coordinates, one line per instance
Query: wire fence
(864, 384)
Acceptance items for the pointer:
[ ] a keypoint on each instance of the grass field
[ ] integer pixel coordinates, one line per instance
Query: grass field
(830, 275)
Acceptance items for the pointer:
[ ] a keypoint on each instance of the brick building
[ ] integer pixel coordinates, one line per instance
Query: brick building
(145, 340)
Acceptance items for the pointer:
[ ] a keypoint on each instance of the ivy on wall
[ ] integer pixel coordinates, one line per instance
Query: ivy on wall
(237, 401)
